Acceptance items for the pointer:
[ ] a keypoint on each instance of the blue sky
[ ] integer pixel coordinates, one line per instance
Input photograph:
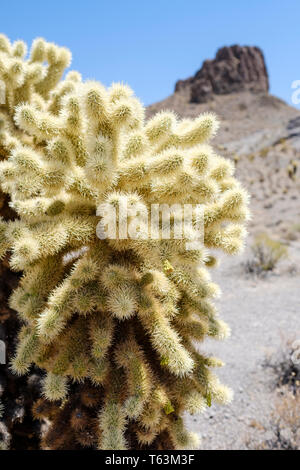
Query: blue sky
(151, 44)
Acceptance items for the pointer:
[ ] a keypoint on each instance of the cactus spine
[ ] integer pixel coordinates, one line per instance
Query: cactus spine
(120, 316)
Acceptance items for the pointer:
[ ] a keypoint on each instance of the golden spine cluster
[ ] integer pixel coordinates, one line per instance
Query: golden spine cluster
(123, 314)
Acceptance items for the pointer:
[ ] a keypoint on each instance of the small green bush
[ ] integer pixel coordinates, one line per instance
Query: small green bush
(267, 252)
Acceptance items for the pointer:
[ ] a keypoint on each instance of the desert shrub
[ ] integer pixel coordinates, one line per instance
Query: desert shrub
(236, 158)
(284, 423)
(282, 429)
(242, 106)
(286, 366)
(296, 227)
(292, 170)
(283, 142)
(264, 152)
(292, 233)
(266, 254)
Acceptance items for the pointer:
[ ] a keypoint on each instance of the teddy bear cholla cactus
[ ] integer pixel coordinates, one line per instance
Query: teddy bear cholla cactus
(121, 313)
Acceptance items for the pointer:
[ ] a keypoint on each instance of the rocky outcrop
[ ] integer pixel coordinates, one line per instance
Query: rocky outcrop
(234, 69)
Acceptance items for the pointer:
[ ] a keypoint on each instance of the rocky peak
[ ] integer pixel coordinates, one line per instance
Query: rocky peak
(234, 69)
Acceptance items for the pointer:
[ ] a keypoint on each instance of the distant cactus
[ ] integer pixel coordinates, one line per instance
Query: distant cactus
(292, 170)
(236, 158)
(121, 313)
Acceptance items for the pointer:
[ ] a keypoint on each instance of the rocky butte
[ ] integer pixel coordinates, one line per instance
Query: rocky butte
(234, 69)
